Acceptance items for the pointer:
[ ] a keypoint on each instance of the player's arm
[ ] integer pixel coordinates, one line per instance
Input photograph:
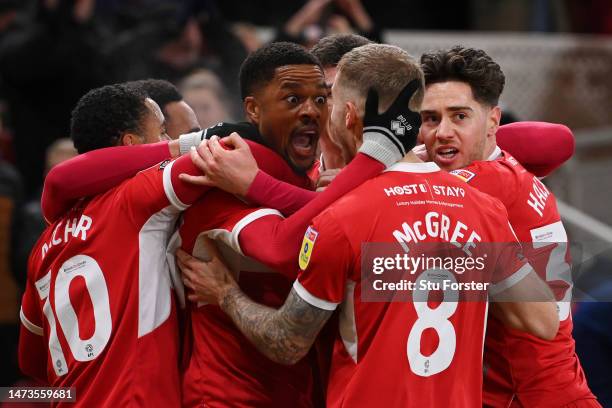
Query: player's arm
(521, 299)
(284, 335)
(539, 146)
(533, 311)
(97, 171)
(33, 349)
(283, 236)
(32, 354)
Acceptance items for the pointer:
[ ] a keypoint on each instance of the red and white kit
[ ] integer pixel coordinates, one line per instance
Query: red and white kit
(540, 373)
(404, 354)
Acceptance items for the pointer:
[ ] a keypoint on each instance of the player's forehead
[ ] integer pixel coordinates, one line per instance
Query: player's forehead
(441, 96)
(302, 76)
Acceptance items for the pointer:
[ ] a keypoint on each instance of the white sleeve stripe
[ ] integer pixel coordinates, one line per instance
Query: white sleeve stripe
(169, 189)
(311, 299)
(511, 280)
(255, 215)
(29, 325)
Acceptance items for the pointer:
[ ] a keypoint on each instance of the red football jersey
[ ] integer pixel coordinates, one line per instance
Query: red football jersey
(223, 368)
(404, 353)
(541, 373)
(100, 294)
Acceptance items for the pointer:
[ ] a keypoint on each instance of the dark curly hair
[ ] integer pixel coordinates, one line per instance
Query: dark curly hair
(161, 91)
(104, 114)
(329, 50)
(469, 65)
(258, 68)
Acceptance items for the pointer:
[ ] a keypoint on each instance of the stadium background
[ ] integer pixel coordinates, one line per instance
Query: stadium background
(556, 54)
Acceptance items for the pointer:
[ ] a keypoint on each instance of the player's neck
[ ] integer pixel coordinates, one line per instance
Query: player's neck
(410, 157)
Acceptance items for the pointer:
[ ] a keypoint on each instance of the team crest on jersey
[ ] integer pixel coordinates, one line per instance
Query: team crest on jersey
(307, 244)
(463, 174)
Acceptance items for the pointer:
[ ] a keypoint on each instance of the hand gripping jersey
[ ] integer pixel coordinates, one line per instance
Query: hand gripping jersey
(404, 353)
(541, 373)
(100, 295)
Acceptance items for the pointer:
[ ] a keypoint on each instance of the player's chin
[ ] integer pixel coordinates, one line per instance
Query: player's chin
(302, 161)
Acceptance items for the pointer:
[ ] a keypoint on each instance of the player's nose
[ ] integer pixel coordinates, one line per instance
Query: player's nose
(445, 129)
(310, 110)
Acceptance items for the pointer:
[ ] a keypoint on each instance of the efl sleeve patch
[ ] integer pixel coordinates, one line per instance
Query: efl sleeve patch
(463, 174)
(307, 245)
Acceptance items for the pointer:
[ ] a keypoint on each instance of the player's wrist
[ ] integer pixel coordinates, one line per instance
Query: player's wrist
(189, 140)
(379, 147)
(227, 293)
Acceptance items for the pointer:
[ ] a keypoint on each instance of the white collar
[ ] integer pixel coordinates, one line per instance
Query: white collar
(496, 153)
(427, 167)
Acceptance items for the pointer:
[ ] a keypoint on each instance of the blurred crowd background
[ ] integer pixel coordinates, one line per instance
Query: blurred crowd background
(557, 56)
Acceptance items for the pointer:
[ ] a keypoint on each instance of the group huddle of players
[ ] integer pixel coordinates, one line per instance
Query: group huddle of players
(209, 272)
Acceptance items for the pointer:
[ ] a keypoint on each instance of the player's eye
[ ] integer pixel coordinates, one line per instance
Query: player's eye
(292, 99)
(428, 119)
(461, 116)
(320, 100)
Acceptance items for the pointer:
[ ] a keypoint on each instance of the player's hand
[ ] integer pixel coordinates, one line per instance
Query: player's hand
(208, 281)
(326, 177)
(421, 152)
(388, 136)
(244, 129)
(232, 170)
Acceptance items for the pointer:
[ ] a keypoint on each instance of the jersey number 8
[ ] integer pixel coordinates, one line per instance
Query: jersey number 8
(437, 319)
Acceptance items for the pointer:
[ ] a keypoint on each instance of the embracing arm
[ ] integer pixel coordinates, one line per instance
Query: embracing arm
(539, 146)
(269, 192)
(528, 306)
(97, 171)
(284, 335)
(283, 236)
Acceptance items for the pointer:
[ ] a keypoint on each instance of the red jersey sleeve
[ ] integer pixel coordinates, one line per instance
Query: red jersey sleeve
(282, 236)
(95, 172)
(270, 192)
(325, 260)
(32, 354)
(511, 265)
(160, 186)
(539, 146)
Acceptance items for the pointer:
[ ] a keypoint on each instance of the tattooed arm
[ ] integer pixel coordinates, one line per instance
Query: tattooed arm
(284, 335)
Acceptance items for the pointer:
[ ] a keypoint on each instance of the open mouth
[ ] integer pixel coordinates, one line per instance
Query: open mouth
(446, 154)
(304, 141)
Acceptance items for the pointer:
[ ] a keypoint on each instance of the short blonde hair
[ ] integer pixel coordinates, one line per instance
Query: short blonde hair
(385, 68)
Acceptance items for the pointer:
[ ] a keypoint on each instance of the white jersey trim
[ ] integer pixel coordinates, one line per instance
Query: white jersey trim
(311, 299)
(347, 326)
(511, 280)
(169, 189)
(29, 325)
(427, 167)
(255, 215)
(154, 281)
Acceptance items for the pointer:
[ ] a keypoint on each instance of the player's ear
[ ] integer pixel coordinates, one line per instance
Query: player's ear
(493, 121)
(129, 139)
(351, 117)
(354, 122)
(252, 109)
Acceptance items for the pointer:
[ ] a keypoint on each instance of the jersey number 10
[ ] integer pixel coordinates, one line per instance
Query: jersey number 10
(96, 288)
